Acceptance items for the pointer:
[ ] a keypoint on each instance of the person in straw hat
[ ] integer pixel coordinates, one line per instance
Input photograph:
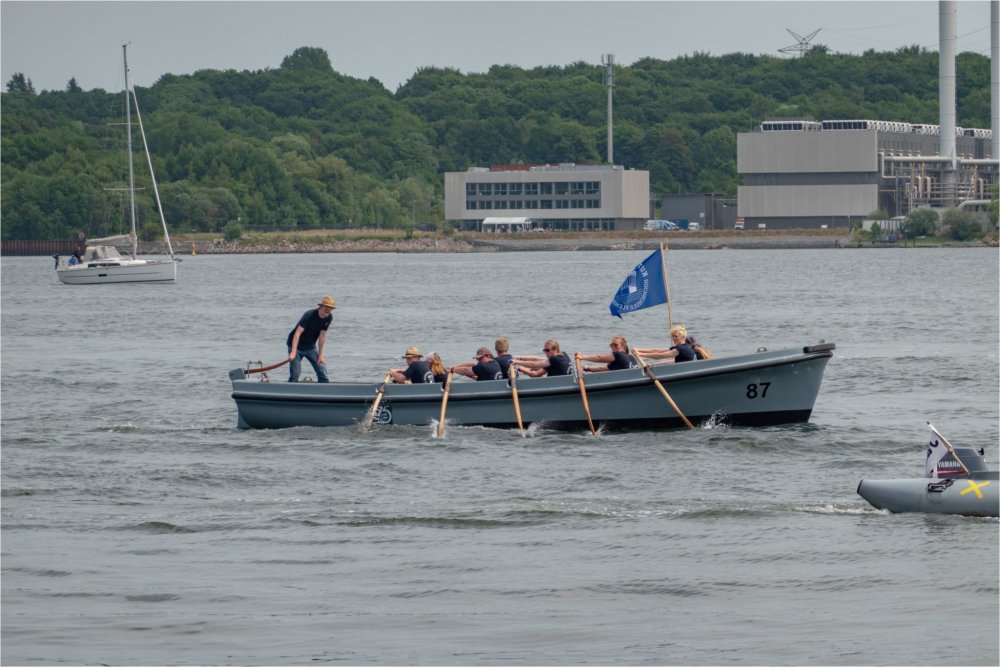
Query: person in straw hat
(308, 338)
(417, 370)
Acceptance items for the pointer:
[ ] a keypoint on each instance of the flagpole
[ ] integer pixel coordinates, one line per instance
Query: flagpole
(666, 286)
(951, 449)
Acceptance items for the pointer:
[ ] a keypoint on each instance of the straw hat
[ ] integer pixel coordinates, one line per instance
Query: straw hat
(412, 352)
(328, 302)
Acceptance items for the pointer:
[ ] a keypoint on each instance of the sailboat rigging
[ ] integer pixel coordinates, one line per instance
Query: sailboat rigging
(103, 263)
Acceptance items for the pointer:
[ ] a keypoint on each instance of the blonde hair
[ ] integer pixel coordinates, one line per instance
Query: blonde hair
(437, 366)
(623, 342)
(502, 345)
(553, 344)
(679, 329)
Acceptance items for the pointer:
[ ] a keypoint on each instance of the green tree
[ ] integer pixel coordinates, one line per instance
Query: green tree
(921, 222)
(962, 225)
(308, 58)
(20, 84)
(875, 232)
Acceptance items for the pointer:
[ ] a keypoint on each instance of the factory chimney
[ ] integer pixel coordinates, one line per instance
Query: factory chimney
(946, 97)
(995, 79)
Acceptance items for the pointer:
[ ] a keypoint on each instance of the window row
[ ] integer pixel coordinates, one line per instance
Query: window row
(545, 188)
(473, 205)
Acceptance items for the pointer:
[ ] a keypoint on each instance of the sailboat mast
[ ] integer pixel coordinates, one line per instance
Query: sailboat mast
(128, 141)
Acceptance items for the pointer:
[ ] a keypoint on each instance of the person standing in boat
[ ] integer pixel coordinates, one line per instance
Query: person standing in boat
(618, 359)
(678, 352)
(485, 366)
(417, 370)
(503, 356)
(308, 338)
(553, 363)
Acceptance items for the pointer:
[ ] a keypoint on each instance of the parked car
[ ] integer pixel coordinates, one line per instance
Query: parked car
(659, 225)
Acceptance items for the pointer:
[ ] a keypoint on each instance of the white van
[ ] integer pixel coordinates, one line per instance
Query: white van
(693, 226)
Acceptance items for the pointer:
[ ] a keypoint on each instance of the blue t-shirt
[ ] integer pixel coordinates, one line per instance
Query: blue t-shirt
(622, 361)
(558, 365)
(419, 372)
(487, 370)
(312, 324)
(505, 360)
(684, 353)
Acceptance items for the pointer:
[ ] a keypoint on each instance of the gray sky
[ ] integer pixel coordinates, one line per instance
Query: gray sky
(50, 42)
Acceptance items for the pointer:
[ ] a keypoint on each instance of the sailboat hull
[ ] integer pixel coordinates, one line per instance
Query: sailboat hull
(122, 271)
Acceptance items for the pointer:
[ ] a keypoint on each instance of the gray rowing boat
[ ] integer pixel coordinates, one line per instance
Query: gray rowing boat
(952, 491)
(754, 389)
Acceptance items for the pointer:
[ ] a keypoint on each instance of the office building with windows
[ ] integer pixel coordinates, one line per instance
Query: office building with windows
(565, 197)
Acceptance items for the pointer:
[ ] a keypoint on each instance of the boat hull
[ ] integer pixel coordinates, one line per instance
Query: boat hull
(978, 495)
(757, 389)
(125, 271)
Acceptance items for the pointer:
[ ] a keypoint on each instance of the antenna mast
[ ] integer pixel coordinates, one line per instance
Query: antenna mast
(608, 61)
(803, 45)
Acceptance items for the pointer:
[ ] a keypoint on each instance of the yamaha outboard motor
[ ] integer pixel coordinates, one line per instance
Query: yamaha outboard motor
(974, 460)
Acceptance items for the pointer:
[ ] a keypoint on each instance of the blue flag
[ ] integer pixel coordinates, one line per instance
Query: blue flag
(644, 287)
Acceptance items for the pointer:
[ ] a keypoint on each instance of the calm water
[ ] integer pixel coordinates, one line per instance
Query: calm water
(141, 527)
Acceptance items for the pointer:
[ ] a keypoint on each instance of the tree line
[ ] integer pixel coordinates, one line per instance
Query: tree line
(304, 147)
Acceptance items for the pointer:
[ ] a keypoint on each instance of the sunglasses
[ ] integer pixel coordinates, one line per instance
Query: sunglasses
(548, 349)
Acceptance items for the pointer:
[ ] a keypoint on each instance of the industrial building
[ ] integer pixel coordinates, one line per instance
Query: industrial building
(802, 173)
(564, 197)
(710, 210)
(799, 172)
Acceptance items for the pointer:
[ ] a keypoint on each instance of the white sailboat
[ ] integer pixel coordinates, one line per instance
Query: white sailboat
(101, 262)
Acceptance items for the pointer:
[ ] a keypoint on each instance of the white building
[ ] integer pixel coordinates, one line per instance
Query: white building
(565, 197)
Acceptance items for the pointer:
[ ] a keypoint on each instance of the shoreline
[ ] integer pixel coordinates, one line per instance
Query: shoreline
(567, 243)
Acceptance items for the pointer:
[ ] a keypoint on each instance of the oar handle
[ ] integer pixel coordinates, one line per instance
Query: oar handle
(267, 368)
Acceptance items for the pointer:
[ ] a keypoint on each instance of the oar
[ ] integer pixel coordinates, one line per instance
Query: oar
(512, 374)
(367, 421)
(266, 368)
(652, 376)
(444, 402)
(583, 395)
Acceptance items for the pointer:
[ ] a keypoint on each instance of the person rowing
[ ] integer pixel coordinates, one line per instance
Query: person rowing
(619, 358)
(484, 366)
(555, 362)
(417, 370)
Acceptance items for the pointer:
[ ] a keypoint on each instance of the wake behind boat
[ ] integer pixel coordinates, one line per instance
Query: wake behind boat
(757, 389)
(101, 262)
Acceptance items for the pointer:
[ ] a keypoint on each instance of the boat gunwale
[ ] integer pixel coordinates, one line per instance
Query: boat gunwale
(526, 390)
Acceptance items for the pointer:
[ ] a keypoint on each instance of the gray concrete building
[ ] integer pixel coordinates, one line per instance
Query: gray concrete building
(565, 197)
(710, 210)
(800, 173)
